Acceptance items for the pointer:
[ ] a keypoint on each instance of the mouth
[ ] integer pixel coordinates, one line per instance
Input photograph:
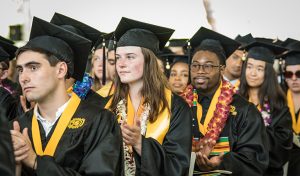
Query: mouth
(177, 85)
(27, 89)
(200, 80)
(124, 72)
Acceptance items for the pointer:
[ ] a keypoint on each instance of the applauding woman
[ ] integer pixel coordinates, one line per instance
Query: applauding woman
(155, 123)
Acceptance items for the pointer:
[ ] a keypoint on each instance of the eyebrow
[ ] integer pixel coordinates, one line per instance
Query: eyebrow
(27, 64)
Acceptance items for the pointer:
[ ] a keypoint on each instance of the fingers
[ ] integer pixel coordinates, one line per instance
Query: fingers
(131, 135)
(21, 151)
(20, 158)
(16, 126)
(25, 133)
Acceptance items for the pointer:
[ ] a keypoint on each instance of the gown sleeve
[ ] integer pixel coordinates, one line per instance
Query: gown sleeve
(9, 104)
(280, 138)
(102, 151)
(7, 161)
(249, 147)
(173, 156)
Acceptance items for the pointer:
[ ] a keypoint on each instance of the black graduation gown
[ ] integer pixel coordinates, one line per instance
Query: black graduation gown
(294, 160)
(280, 139)
(247, 139)
(94, 98)
(173, 156)
(7, 160)
(10, 104)
(93, 149)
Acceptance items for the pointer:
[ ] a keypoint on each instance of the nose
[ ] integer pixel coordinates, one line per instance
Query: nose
(121, 63)
(294, 77)
(178, 77)
(23, 78)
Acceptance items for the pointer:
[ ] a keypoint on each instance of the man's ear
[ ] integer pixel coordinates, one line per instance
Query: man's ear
(62, 69)
(4, 74)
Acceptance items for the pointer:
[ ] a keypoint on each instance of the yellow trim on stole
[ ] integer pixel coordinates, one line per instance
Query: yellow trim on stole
(210, 112)
(290, 102)
(106, 90)
(160, 127)
(58, 131)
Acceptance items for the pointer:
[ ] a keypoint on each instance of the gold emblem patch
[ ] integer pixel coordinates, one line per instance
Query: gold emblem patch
(76, 123)
(233, 110)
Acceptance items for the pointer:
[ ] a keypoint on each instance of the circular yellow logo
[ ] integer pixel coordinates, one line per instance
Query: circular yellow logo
(76, 123)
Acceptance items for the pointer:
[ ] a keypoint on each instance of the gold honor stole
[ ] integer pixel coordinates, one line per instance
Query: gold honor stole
(58, 131)
(222, 145)
(237, 84)
(290, 102)
(156, 130)
(106, 90)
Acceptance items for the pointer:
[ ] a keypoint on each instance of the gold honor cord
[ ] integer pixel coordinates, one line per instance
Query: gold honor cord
(58, 131)
(290, 102)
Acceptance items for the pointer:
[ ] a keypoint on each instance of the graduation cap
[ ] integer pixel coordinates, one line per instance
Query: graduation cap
(65, 45)
(7, 49)
(264, 51)
(3, 55)
(292, 57)
(135, 33)
(77, 27)
(206, 39)
(275, 41)
(288, 42)
(108, 39)
(178, 42)
(244, 40)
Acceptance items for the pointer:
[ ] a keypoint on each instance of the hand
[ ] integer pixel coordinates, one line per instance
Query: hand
(206, 164)
(23, 103)
(205, 146)
(132, 135)
(22, 146)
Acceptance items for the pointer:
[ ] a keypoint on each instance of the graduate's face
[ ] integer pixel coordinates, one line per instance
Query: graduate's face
(111, 65)
(179, 77)
(255, 72)
(293, 82)
(98, 63)
(129, 64)
(234, 64)
(37, 77)
(206, 71)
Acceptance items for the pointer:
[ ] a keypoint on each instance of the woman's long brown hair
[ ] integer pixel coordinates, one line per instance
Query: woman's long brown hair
(153, 91)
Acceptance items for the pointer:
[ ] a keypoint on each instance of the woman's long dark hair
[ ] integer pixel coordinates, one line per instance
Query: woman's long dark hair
(153, 91)
(270, 89)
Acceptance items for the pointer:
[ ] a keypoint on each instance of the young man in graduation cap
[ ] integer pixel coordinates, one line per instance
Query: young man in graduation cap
(62, 135)
(292, 79)
(155, 123)
(228, 131)
(234, 62)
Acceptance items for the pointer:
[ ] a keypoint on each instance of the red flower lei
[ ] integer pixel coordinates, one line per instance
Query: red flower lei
(187, 95)
(221, 113)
